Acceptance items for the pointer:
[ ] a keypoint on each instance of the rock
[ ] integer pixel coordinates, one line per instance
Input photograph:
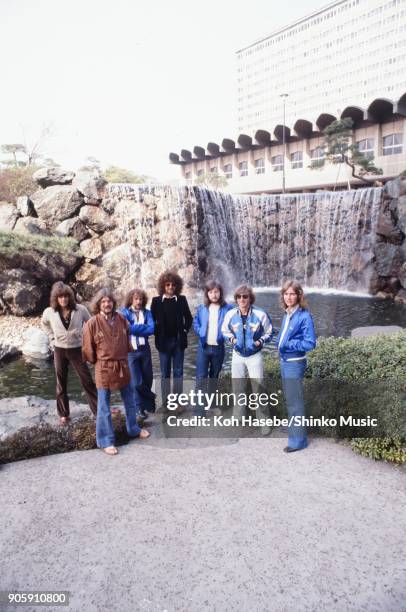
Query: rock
(91, 248)
(7, 351)
(392, 188)
(402, 213)
(48, 177)
(36, 344)
(96, 219)
(54, 204)
(375, 330)
(25, 206)
(386, 227)
(31, 226)
(111, 239)
(72, 227)
(402, 186)
(401, 296)
(402, 275)
(8, 216)
(91, 185)
(27, 275)
(387, 259)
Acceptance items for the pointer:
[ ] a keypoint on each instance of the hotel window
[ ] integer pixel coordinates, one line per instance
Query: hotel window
(243, 167)
(214, 170)
(228, 171)
(297, 159)
(277, 163)
(366, 146)
(260, 166)
(200, 173)
(392, 144)
(317, 157)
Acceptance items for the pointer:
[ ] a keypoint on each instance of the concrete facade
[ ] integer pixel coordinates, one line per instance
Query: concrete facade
(350, 51)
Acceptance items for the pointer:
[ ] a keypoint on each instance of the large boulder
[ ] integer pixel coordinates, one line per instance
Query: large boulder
(96, 219)
(402, 213)
(91, 185)
(48, 177)
(25, 206)
(54, 204)
(8, 216)
(31, 226)
(28, 271)
(36, 344)
(388, 258)
(72, 227)
(91, 248)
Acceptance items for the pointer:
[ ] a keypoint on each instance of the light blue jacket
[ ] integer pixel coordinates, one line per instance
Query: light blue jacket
(201, 323)
(142, 330)
(299, 337)
(258, 328)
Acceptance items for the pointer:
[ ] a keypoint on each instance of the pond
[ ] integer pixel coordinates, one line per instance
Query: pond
(335, 314)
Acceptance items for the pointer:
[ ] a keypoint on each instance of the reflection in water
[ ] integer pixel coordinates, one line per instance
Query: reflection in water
(334, 315)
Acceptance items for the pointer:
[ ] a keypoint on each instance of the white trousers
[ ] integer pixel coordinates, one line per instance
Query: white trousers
(240, 366)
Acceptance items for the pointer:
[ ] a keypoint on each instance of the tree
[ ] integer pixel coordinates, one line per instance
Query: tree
(212, 180)
(339, 150)
(114, 174)
(13, 149)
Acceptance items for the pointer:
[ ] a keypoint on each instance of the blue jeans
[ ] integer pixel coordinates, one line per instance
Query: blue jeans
(104, 425)
(171, 358)
(292, 373)
(140, 364)
(208, 367)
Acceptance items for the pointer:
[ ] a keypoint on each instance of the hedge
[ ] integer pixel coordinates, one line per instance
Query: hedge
(359, 377)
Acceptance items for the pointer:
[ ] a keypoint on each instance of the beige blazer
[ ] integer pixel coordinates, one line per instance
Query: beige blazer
(58, 335)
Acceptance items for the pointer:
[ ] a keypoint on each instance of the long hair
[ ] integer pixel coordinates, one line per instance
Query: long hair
(128, 300)
(169, 276)
(213, 285)
(244, 289)
(297, 288)
(103, 293)
(59, 289)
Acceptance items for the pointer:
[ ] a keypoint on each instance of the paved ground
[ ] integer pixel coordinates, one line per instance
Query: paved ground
(207, 526)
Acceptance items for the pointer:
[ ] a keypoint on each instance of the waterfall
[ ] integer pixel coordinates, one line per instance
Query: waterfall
(323, 239)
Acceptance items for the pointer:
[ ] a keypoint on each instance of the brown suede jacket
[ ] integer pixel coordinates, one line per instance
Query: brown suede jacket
(107, 345)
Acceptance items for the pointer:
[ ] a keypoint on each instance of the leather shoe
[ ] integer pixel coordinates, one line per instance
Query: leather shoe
(289, 449)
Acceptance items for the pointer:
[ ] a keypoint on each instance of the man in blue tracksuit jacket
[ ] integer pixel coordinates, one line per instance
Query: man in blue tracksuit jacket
(247, 328)
(207, 324)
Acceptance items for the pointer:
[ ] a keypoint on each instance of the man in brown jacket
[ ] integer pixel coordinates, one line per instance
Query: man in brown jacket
(106, 344)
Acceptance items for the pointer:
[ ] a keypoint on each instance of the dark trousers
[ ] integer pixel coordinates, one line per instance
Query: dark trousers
(140, 364)
(171, 357)
(208, 367)
(62, 358)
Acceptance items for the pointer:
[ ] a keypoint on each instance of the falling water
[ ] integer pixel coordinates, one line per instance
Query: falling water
(322, 239)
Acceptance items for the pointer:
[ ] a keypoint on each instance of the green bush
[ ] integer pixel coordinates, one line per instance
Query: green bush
(12, 243)
(359, 377)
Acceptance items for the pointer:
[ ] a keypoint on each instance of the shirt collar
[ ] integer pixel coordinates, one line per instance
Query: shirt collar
(292, 311)
(107, 318)
(173, 297)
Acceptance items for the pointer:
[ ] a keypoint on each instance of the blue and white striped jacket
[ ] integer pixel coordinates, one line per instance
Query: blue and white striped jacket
(297, 336)
(258, 328)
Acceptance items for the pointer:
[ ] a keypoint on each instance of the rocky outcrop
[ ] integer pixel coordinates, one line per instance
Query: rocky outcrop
(47, 177)
(32, 226)
(27, 273)
(74, 228)
(96, 219)
(91, 185)
(13, 334)
(25, 207)
(54, 204)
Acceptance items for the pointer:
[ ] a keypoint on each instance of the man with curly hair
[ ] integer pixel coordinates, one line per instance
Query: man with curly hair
(173, 320)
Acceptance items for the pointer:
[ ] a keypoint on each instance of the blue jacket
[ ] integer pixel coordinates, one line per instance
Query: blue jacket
(201, 323)
(299, 337)
(142, 330)
(258, 328)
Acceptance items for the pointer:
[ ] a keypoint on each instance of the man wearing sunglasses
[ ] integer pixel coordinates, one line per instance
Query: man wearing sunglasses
(173, 321)
(247, 328)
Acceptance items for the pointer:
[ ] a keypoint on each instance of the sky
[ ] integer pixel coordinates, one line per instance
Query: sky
(127, 81)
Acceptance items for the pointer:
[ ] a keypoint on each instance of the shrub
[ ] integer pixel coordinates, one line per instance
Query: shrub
(12, 243)
(15, 182)
(359, 377)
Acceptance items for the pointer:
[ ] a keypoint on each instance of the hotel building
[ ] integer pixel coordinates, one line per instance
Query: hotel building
(347, 59)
